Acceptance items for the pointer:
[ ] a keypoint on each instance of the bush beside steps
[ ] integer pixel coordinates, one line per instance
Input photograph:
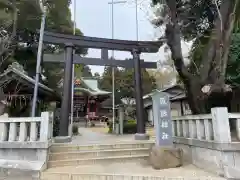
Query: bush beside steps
(129, 126)
(75, 130)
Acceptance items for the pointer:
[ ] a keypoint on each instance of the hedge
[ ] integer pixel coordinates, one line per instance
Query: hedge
(129, 126)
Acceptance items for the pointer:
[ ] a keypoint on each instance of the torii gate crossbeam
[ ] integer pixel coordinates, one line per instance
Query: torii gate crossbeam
(60, 58)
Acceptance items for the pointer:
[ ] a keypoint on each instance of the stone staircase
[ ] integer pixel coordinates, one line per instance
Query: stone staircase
(126, 160)
(75, 155)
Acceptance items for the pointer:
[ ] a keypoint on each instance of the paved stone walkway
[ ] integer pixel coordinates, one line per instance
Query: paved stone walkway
(89, 137)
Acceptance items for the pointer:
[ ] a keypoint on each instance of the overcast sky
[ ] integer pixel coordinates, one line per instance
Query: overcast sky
(93, 18)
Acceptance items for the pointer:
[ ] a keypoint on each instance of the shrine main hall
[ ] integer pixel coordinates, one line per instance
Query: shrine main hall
(87, 99)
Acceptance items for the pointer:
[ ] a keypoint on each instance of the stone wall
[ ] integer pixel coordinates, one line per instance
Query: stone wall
(218, 158)
(24, 142)
(207, 142)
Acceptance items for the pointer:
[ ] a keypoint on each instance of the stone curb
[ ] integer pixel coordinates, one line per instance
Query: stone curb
(73, 155)
(71, 147)
(97, 160)
(66, 176)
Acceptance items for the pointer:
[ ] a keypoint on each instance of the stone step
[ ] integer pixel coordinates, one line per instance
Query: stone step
(66, 176)
(128, 170)
(56, 148)
(98, 160)
(72, 155)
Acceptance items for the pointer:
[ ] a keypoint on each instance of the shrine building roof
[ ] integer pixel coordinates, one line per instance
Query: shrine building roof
(89, 86)
(173, 91)
(15, 72)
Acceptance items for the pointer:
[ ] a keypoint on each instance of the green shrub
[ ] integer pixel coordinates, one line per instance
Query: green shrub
(75, 130)
(92, 124)
(131, 121)
(129, 127)
(110, 126)
(56, 124)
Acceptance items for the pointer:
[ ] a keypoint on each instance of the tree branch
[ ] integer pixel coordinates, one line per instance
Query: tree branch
(227, 39)
(212, 52)
(10, 40)
(173, 36)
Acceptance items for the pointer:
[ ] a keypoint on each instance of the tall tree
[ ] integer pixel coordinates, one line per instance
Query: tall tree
(82, 71)
(19, 24)
(233, 67)
(106, 80)
(124, 82)
(204, 80)
(127, 83)
(87, 72)
(8, 31)
(24, 28)
(97, 75)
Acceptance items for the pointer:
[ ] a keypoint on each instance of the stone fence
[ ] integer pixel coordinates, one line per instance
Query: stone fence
(24, 141)
(208, 142)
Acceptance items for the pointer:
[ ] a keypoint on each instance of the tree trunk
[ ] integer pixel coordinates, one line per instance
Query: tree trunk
(196, 98)
(3, 103)
(201, 103)
(213, 66)
(2, 108)
(220, 94)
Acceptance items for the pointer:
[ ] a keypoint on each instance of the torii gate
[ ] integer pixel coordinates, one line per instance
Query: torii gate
(135, 47)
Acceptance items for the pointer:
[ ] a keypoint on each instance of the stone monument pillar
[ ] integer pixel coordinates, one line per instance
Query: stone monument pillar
(163, 155)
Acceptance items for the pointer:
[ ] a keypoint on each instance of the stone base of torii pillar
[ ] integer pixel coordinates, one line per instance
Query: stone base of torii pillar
(62, 139)
(139, 136)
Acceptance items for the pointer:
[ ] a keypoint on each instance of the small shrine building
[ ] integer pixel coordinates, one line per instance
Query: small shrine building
(16, 90)
(87, 99)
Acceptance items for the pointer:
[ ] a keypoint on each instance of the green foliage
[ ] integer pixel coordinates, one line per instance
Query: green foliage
(97, 75)
(82, 71)
(75, 129)
(28, 23)
(197, 21)
(22, 45)
(78, 69)
(233, 68)
(110, 127)
(127, 86)
(56, 124)
(200, 22)
(86, 72)
(196, 17)
(124, 82)
(59, 20)
(105, 82)
(129, 126)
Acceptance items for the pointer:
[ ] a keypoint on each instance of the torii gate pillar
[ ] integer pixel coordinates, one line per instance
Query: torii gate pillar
(67, 90)
(141, 132)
